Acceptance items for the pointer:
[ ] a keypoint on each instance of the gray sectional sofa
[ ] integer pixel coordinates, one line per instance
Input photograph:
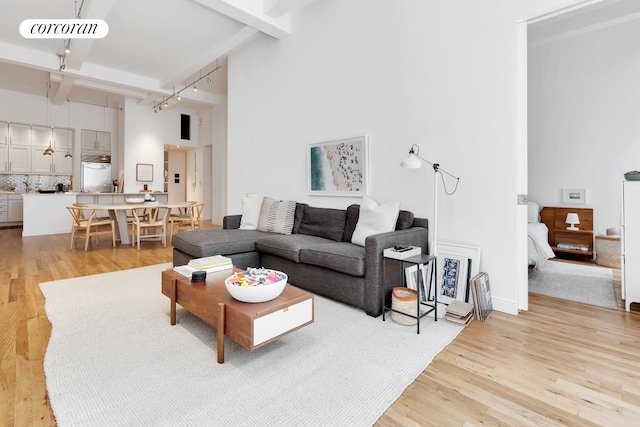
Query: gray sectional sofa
(318, 255)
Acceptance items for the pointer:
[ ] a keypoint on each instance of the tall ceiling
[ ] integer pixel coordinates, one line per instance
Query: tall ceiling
(153, 49)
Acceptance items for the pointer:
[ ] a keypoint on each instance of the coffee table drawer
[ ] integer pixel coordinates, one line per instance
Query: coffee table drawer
(282, 321)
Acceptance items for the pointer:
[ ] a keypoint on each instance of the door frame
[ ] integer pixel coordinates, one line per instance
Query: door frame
(522, 50)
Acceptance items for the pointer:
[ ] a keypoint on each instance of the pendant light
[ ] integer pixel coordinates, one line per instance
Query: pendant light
(49, 151)
(68, 155)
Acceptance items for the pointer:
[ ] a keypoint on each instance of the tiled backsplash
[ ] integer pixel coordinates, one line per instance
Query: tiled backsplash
(35, 182)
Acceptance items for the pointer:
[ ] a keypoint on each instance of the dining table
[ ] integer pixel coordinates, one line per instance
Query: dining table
(118, 213)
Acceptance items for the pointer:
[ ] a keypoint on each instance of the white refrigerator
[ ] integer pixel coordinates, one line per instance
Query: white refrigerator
(630, 242)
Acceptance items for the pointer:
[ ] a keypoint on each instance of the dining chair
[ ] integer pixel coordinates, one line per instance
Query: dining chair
(197, 215)
(149, 222)
(182, 220)
(91, 226)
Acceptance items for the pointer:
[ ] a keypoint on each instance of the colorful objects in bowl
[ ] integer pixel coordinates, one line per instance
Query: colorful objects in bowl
(256, 284)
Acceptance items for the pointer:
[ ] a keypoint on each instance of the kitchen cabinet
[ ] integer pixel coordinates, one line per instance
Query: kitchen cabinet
(15, 133)
(4, 208)
(56, 163)
(60, 140)
(19, 158)
(95, 140)
(15, 148)
(15, 208)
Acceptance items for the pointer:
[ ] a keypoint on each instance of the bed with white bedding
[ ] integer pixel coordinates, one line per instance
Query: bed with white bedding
(538, 238)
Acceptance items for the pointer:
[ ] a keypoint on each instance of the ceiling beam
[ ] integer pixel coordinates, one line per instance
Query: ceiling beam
(80, 48)
(61, 95)
(584, 30)
(237, 10)
(277, 8)
(207, 57)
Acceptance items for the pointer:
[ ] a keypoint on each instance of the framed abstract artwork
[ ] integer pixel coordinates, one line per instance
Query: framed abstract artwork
(144, 172)
(411, 279)
(574, 195)
(338, 167)
(456, 265)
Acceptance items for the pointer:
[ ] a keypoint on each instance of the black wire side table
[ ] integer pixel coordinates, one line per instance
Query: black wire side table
(416, 260)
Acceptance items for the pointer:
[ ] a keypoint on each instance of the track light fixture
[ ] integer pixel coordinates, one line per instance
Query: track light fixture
(158, 106)
(67, 47)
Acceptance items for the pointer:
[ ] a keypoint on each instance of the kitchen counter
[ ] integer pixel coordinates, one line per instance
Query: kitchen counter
(45, 214)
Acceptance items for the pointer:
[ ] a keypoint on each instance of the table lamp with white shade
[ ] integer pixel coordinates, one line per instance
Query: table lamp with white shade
(414, 161)
(572, 219)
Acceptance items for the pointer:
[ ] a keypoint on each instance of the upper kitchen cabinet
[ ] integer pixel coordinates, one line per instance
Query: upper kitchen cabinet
(15, 147)
(95, 140)
(60, 140)
(15, 133)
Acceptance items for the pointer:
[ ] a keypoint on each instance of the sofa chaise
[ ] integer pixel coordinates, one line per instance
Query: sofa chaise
(318, 255)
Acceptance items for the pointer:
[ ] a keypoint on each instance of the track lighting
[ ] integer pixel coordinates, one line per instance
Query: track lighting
(67, 47)
(165, 102)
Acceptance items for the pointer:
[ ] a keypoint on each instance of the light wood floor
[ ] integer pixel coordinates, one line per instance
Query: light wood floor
(559, 363)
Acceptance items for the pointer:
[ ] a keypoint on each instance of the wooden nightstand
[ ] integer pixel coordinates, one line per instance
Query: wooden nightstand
(569, 243)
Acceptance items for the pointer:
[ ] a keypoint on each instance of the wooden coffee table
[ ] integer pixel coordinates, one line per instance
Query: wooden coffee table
(252, 325)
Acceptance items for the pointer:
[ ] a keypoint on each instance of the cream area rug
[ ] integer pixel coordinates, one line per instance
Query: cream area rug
(114, 359)
(575, 282)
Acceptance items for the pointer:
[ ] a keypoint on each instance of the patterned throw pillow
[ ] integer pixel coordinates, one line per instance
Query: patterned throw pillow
(277, 216)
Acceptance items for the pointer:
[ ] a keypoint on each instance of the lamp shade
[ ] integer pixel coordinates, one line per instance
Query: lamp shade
(573, 219)
(411, 162)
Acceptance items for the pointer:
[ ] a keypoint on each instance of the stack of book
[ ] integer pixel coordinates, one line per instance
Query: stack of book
(459, 312)
(209, 264)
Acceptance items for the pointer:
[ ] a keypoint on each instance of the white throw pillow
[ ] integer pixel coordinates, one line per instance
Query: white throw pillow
(250, 213)
(374, 219)
(533, 212)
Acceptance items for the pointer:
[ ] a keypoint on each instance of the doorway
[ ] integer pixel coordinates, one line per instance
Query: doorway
(560, 24)
(176, 175)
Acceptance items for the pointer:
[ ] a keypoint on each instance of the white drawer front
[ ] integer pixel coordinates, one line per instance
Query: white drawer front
(4, 216)
(279, 322)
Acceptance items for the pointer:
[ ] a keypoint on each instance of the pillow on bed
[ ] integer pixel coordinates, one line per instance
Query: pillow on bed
(533, 212)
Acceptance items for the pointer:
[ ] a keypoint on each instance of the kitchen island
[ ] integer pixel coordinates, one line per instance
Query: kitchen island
(45, 214)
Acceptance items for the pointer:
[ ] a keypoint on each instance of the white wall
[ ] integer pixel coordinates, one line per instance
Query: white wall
(583, 118)
(218, 162)
(438, 74)
(144, 134)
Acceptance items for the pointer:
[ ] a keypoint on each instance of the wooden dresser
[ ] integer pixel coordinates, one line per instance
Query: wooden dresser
(569, 243)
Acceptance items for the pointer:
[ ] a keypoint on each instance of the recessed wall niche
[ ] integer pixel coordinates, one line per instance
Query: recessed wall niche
(185, 126)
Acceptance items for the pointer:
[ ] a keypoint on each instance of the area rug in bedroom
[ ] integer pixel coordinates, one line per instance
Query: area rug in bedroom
(113, 359)
(575, 282)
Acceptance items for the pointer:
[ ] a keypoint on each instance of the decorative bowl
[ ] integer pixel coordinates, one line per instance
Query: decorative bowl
(256, 284)
(134, 200)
